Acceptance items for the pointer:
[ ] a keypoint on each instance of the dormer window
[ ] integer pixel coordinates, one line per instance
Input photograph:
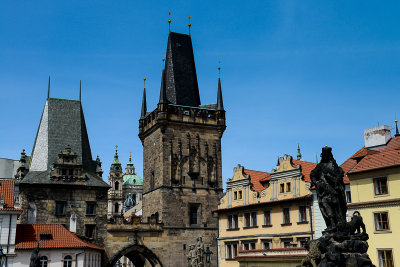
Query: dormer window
(288, 187)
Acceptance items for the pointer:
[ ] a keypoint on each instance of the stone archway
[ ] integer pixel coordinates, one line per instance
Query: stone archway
(138, 254)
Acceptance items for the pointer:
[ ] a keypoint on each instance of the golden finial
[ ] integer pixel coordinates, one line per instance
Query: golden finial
(144, 81)
(169, 21)
(219, 69)
(163, 63)
(116, 148)
(190, 25)
(130, 155)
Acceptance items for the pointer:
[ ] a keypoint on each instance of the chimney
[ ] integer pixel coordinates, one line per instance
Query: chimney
(377, 136)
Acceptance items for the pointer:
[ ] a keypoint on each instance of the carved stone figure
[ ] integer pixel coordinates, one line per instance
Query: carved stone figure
(342, 243)
(327, 178)
(35, 257)
(196, 254)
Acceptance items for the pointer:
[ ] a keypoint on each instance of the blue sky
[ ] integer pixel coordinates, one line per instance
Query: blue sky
(310, 72)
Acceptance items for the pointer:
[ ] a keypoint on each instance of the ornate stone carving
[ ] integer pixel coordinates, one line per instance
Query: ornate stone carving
(196, 254)
(342, 243)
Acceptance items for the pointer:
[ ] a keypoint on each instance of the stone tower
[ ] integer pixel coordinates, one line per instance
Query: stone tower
(182, 172)
(115, 196)
(64, 184)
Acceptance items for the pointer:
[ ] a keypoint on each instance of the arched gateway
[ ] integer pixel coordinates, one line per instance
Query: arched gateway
(138, 255)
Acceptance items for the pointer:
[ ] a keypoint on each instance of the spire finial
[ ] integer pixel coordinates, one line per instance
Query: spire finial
(116, 149)
(80, 90)
(130, 156)
(48, 89)
(299, 157)
(220, 102)
(163, 63)
(144, 105)
(397, 129)
(169, 21)
(190, 25)
(144, 81)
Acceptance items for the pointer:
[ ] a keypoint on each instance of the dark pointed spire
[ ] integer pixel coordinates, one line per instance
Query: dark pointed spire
(80, 90)
(397, 129)
(299, 157)
(220, 102)
(163, 92)
(48, 89)
(144, 105)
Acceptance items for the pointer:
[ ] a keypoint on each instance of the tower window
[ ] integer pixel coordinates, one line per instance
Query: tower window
(89, 230)
(60, 207)
(116, 186)
(90, 208)
(116, 207)
(193, 214)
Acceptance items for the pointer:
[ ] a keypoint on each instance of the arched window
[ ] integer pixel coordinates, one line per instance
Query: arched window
(43, 261)
(68, 261)
(116, 185)
(116, 207)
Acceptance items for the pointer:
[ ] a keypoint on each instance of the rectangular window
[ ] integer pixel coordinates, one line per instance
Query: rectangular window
(240, 196)
(302, 241)
(288, 187)
(385, 258)
(231, 250)
(381, 221)
(281, 188)
(193, 214)
(250, 219)
(287, 243)
(266, 243)
(90, 208)
(90, 230)
(267, 217)
(247, 220)
(286, 215)
(60, 207)
(380, 185)
(249, 245)
(235, 195)
(302, 214)
(348, 196)
(233, 221)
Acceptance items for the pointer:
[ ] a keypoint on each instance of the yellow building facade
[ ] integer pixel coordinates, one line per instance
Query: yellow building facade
(266, 218)
(374, 173)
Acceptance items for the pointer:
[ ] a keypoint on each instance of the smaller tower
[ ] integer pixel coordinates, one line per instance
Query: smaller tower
(115, 180)
(23, 167)
(132, 189)
(299, 157)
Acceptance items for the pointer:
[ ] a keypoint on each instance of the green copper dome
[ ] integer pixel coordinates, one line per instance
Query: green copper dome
(132, 179)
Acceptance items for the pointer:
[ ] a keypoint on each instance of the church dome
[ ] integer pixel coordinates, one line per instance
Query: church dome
(132, 179)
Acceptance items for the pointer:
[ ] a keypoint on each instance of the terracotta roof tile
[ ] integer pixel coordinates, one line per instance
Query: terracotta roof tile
(367, 159)
(306, 168)
(28, 235)
(7, 192)
(256, 177)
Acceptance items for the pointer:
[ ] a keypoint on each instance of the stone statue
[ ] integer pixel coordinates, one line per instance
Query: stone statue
(35, 257)
(196, 254)
(342, 243)
(327, 178)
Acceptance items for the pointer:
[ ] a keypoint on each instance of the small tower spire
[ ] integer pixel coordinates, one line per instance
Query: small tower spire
(220, 102)
(48, 88)
(169, 22)
(80, 90)
(190, 25)
(397, 129)
(299, 157)
(316, 158)
(144, 105)
(163, 93)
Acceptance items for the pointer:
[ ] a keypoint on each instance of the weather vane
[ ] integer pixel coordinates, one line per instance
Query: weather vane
(169, 21)
(190, 25)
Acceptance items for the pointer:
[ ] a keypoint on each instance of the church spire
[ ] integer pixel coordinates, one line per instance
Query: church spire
(144, 105)
(220, 102)
(299, 157)
(48, 88)
(163, 93)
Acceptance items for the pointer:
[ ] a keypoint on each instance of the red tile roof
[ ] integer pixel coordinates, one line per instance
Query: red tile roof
(256, 177)
(260, 179)
(368, 159)
(28, 235)
(7, 193)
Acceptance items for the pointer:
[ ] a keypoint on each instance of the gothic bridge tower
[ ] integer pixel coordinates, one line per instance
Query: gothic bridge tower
(182, 167)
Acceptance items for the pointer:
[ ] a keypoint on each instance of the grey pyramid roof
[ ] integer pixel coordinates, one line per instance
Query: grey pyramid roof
(62, 123)
(180, 71)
